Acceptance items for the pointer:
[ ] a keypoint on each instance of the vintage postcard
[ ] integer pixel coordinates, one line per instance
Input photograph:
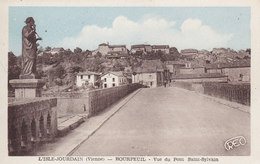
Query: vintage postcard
(130, 81)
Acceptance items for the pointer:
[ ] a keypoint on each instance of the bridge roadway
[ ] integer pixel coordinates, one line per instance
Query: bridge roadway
(169, 122)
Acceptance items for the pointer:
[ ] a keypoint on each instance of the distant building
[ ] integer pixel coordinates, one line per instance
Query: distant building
(152, 78)
(151, 73)
(213, 68)
(174, 67)
(87, 78)
(189, 54)
(141, 48)
(146, 48)
(56, 50)
(237, 73)
(163, 48)
(113, 79)
(106, 49)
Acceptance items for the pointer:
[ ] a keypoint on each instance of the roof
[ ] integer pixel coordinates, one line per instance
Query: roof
(160, 46)
(118, 73)
(88, 73)
(103, 44)
(150, 66)
(139, 46)
(204, 75)
(117, 46)
(229, 65)
(176, 62)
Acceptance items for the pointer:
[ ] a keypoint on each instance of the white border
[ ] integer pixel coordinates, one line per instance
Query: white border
(255, 47)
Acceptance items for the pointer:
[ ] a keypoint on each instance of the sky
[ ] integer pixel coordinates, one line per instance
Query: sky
(87, 27)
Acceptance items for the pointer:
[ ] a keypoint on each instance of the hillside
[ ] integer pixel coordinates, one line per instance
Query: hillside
(60, 69)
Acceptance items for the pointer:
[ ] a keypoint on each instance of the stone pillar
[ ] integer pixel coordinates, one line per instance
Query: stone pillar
(27, 88)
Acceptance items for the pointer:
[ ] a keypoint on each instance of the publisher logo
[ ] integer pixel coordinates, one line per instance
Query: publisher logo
(235, 142)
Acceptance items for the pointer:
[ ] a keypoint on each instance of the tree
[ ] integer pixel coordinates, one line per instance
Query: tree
(14, 69)
(98, 55)
(48, 48)
(77, 50)
(248, 51)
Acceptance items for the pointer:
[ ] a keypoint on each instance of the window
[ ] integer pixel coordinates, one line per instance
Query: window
(81, 76)
(105, 79)
(105, 85)
(88, 76)
(113, 79)
(114, 84)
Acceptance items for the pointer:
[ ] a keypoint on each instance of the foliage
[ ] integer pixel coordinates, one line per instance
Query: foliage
(77, 50)
(48, 48)
(14, 69)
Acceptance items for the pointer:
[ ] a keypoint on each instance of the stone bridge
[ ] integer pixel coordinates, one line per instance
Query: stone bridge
(148, 121)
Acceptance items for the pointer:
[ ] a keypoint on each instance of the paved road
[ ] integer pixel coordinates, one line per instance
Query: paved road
(169, 122)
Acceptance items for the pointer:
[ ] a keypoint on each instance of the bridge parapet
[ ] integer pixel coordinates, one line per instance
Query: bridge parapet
(30, 121)
(239, 93)
(102, 98)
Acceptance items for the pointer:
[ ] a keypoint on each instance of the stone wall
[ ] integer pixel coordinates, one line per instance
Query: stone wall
(192, 70)
(30, 122)
(70, 103)
(103, 98)
(204, 79)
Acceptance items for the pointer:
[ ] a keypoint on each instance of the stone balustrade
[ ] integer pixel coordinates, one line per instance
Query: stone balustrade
(239, 93)
(30, 122)
(102, 98)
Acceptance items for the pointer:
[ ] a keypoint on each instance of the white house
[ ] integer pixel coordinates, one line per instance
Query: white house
(113, 79)
(87, 78)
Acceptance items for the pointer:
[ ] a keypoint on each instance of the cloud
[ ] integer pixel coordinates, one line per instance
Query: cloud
(192, 34)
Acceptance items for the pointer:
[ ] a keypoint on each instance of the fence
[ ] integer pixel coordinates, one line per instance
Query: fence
(102, 98)
(239, 93)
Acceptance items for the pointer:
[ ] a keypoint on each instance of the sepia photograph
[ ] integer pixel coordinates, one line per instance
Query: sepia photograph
(129, 83)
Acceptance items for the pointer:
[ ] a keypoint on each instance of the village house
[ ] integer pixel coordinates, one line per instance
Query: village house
(146, 48)
(213, 68)
(152, 73)
(113, 79)
(237, 72)
(163, 48)
(189, 54)
(87, 78)
(174, 67)
(106, 49)
(142, 48)
(150, 78)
